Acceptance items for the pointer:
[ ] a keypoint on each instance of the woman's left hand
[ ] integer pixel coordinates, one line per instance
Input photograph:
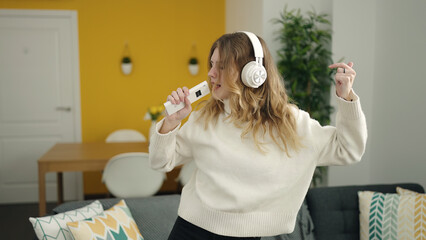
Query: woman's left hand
(344, 78)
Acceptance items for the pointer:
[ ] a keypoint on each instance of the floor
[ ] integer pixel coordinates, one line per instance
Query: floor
(14, 223)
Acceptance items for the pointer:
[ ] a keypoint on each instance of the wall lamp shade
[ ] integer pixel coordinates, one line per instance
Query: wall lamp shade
(126, 65)
(193, 66)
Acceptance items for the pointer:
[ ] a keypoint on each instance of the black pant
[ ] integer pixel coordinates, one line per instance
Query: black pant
(184, 230)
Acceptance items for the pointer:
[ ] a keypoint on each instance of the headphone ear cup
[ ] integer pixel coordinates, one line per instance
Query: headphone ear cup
(253, 75)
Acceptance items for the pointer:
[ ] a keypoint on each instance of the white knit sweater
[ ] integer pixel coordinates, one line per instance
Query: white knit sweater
(239, 191)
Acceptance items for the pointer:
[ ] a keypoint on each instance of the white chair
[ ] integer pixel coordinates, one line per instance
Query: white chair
(130, 175)
(126, 135)
(186, 173)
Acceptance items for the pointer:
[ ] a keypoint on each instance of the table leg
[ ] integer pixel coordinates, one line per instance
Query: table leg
(60, 181)
(41, 190)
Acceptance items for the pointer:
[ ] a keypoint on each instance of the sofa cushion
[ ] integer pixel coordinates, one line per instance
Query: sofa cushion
(114, 223)
(335, 211)
(155, 216)
(392, 216)
(55, 226)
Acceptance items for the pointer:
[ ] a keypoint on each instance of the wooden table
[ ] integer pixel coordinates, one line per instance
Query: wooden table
(64, 157)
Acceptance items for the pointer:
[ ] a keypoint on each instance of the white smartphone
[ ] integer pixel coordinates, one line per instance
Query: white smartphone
(195, 93)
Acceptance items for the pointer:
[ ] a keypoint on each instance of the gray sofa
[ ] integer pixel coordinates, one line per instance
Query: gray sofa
(327, 212)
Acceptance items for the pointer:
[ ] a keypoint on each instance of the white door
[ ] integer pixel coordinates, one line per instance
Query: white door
(39, 99)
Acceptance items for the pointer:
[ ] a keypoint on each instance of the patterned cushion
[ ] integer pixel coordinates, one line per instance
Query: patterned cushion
(403, 191)
(55, 227)
(114, 223)
(392, 216)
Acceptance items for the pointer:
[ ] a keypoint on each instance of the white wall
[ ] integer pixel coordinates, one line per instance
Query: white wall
(354, 39)
(387, 41)
(244, 15)
(399, 131)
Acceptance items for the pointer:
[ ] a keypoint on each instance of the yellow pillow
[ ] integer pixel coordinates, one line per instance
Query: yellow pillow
(114, 223)
(404, 191)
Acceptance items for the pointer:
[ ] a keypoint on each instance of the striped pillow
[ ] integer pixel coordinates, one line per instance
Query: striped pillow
(115, 223)
(392, 216)
(55, 227)
(403, 191)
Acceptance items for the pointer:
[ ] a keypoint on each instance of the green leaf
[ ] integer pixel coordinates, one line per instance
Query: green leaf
(293, 86)
(314, 79)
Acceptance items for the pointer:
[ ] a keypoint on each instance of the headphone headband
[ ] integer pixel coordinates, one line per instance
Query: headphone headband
(258, 51)
(254, 73)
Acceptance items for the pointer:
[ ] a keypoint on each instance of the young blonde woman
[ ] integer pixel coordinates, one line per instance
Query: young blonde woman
(255, 152)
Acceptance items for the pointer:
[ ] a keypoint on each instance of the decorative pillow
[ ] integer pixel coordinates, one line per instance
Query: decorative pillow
(403, 191)
(55, 227)
(392, 216)
(114, 223)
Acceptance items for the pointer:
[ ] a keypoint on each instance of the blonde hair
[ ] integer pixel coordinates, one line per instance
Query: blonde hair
(255, 110)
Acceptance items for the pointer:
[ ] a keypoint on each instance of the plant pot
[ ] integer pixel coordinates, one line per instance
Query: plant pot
(193, 69)
(126, 68)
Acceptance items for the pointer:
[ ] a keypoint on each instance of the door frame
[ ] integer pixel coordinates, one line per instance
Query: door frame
(75, 68)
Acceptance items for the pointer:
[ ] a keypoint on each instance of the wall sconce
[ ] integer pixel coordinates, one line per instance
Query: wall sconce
(193, 65)
(126, 61)
(126, 65)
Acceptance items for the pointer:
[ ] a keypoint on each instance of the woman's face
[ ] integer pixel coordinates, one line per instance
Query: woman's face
(220, 88)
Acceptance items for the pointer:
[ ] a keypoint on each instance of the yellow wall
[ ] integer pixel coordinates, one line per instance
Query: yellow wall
(160, 34)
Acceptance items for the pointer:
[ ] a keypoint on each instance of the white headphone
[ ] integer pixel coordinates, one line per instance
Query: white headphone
(254, 74)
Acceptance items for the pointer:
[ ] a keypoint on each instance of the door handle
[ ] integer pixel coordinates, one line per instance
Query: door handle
(65, 109)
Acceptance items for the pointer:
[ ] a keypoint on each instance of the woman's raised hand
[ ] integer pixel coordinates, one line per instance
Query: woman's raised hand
(176, 97)
(173, 120)
(344, 78)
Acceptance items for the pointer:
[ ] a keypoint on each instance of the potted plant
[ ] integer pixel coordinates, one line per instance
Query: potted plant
(193, 66)
(303, 61)
(126, 65)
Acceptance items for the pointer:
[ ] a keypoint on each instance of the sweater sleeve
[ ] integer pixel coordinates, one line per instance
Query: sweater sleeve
(166, 151)
(345, 143)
